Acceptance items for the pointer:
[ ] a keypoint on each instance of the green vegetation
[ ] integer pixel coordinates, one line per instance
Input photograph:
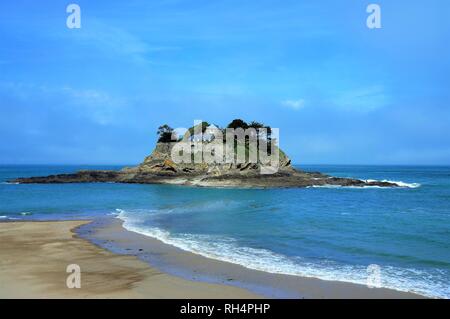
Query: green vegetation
(238, 123)
(204, 127)
(165, 134)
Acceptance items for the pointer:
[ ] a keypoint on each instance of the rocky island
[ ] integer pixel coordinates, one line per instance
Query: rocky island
(162, 166)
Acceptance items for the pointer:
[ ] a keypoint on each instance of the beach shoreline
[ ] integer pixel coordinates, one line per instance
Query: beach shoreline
(110, 234)
(35, 255)
(138, 266)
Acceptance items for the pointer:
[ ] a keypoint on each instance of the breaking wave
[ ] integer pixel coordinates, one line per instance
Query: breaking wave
(398, 183)
(228, 250)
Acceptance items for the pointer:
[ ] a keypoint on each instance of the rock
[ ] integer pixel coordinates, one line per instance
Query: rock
(159, 168)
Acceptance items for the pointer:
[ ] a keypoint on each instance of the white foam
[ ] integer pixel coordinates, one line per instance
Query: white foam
(10, 218)
(26, 213)
(403, 184)
(228, 250)
(398, 183)
(349, 187)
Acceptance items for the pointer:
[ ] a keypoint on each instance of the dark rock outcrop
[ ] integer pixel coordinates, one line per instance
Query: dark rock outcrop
(159, 168)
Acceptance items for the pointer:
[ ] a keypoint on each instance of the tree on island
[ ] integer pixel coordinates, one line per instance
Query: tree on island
(257, 126)
(165, 134)
(238, 123)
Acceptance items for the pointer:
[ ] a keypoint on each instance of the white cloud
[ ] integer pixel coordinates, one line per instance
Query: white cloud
(294, 104)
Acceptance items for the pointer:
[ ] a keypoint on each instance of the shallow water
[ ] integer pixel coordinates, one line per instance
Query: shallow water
(328, 233)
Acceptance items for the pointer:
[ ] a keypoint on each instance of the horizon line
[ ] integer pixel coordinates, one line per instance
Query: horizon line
(293, 164)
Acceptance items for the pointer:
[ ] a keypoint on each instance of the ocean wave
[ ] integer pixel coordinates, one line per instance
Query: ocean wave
(200, 206)
(398, 183)
(9, 183)
(408, 185)
(228, 250)
(8, 218)
(348, 187)
(26, 213)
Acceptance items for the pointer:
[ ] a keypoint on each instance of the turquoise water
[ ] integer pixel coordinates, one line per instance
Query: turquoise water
(328, 233)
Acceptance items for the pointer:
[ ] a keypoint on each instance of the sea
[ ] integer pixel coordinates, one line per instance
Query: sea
(331, 233)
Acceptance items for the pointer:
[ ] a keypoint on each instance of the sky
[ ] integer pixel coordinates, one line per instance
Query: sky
(339, 92)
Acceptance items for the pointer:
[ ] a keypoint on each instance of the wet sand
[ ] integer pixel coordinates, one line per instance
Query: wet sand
(110, 234)
(116, 263)
(34, 257)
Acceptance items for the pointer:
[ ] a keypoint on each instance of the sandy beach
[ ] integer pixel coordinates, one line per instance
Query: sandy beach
(34, 257)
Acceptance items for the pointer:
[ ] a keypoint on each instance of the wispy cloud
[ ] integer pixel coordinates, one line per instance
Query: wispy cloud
(98, 106)
(294, 104)
(317, 144)
(115, 41)
(361, 99)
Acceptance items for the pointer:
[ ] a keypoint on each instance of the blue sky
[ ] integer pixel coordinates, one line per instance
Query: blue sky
(339, 92)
